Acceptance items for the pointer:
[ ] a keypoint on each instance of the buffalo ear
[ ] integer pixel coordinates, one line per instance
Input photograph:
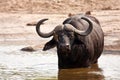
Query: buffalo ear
(49, 45)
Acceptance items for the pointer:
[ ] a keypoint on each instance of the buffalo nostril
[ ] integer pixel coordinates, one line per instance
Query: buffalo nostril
(64, 47)
(67, 46)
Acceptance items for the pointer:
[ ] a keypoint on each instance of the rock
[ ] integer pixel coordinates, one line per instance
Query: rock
(28, 49)
(31, 24)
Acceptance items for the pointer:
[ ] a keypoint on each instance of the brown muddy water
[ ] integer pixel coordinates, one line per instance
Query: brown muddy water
(39, 65)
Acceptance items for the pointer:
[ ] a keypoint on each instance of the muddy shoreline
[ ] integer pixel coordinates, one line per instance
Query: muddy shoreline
(15, 31)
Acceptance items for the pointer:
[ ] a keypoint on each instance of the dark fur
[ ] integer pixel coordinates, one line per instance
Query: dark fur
(85, 50)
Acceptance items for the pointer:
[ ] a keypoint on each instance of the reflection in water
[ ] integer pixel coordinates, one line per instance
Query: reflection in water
(39, 65)
(93, 73)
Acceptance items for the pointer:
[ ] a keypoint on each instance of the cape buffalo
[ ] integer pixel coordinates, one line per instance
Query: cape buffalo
(79, 41)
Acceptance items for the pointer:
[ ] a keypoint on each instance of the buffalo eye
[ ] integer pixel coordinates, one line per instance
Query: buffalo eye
(60, 38)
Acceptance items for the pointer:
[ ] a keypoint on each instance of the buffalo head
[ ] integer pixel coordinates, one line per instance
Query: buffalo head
(63, 35)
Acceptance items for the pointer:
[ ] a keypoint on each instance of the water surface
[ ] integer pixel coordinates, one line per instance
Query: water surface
(39, 65)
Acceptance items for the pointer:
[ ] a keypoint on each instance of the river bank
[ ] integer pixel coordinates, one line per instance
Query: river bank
(15, 31)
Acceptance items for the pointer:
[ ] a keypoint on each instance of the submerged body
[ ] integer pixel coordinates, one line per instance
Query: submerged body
(79, 41)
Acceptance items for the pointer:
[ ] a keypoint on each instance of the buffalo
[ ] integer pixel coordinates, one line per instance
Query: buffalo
(79, 41)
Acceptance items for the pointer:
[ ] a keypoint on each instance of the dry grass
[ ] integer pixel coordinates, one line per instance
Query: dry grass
(57, 6)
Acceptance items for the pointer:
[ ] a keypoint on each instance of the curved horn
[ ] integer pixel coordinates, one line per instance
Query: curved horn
(44, 35)
(82, 33)
(90, 28)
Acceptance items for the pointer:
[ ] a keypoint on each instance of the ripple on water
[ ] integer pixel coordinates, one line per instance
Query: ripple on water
(110, 65)
(27, 64)
(18, 65)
